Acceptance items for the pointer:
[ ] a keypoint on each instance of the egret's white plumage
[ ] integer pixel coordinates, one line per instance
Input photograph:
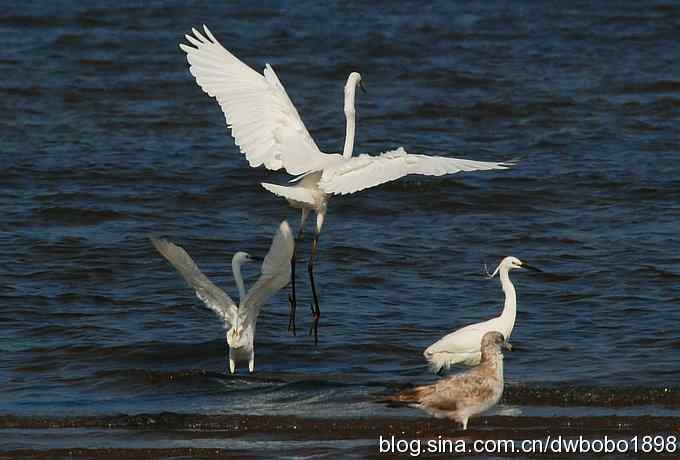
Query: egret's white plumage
(463, 346)
(269, 131)
(239, 321)
(263, 120)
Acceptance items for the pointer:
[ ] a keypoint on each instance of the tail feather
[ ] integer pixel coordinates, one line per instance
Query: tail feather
(407, 397)
(299, 194)
(438, 362)
(392, 402)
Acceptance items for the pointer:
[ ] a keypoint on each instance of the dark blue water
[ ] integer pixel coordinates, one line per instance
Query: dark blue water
(106, 139)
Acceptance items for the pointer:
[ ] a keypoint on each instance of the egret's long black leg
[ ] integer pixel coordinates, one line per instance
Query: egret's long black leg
(292, 301)
(316, 312)
(292, 298)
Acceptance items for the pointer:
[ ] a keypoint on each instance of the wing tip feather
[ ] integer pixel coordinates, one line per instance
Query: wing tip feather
(209, 34)
(160, 243)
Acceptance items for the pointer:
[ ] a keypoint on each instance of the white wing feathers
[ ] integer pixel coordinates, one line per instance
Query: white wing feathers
(467, 339)
(299, 194)
(275, 275)
(215, 298)
(365, 171)
(263, 121)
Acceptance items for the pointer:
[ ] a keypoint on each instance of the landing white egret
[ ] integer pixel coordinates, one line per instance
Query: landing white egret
(462, 346)
(463, 395)
(269, 131)
(239, 321)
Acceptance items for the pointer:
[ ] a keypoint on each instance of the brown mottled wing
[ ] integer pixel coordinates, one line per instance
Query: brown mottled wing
(448, 393)
(410, 396)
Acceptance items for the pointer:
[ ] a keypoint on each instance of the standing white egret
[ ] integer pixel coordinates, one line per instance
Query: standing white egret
(239, 321)
(463, 395)
(269, 131)
(462, 346)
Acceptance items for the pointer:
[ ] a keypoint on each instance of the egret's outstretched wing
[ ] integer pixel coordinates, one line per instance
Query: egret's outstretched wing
(215, 298)
(365, 171)
(275, 275)
(263, 121)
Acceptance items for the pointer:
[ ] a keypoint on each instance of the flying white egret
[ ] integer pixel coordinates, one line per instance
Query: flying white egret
(462, 346)
(463, 395)
(269, 131)
(239, 321)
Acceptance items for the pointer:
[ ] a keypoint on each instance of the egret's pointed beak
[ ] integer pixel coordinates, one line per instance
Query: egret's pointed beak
(255, 259)
(361, 87)
(529, 267)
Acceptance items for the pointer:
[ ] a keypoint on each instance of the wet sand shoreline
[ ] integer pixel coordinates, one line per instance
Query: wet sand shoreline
(229, 433)
(316, 428)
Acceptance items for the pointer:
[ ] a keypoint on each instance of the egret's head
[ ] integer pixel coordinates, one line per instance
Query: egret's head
(353, 81)
(511, 263)
(241, 258)
(494, 340)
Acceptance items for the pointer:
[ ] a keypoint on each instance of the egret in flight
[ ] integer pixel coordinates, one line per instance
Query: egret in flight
(463, 395)
(462, 346)
(269, 131)
(239, 320)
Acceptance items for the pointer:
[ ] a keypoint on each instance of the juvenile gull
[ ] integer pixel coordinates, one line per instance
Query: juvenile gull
(269, 131)
(462, 346)
(463, 395)
(239, 320)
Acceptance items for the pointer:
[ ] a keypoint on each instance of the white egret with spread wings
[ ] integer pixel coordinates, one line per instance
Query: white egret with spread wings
(269, 131)
(239, 320)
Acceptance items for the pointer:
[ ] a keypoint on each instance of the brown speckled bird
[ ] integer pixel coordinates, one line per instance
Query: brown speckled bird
(463, 395)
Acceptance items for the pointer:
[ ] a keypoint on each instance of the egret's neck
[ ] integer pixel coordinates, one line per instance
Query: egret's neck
(510, 308)
(236, 269)
(350, 115)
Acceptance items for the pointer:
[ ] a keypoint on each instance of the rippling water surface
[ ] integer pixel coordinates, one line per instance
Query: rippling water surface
(106, 139)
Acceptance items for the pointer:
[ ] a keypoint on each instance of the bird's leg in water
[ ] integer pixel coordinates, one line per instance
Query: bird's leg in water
(292, 301)
(316, 312)
(292, 298)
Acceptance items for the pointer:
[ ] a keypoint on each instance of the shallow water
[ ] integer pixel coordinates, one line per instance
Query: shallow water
(107, 140)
